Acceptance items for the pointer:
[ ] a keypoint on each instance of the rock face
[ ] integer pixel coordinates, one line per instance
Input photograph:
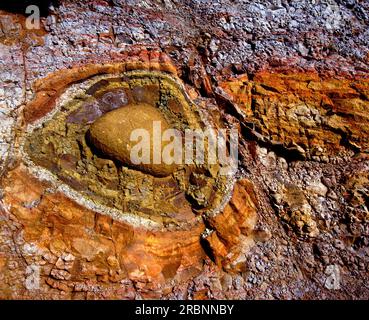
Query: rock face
(112, 135)
(78, 249)
(234, 228)
(160, 211)
(315, 118)
(78, 220)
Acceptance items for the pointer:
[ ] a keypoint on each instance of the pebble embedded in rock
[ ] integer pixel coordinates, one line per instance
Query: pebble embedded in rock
(111, 135)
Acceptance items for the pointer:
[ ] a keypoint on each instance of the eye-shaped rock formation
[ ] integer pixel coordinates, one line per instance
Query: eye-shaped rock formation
(86, 143)
(148, 223)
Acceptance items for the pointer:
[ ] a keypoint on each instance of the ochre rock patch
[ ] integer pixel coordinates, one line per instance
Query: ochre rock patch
(79, 246)
(234, 227)
(99, 248)
(319, 118)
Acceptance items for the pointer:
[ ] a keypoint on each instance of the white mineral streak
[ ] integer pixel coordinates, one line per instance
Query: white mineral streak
(11, 96)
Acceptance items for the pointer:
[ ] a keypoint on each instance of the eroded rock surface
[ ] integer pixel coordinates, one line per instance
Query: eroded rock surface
(293, 221)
